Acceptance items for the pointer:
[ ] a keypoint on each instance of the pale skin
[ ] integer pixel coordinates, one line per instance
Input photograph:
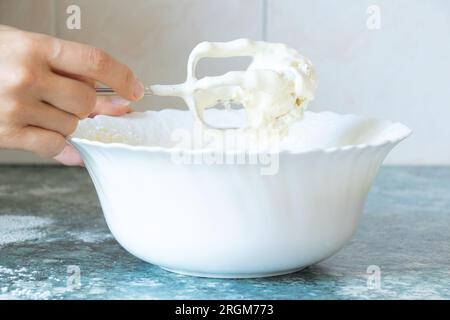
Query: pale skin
(47, 85)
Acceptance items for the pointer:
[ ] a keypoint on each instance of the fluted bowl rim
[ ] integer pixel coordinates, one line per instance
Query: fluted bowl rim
(401, 134)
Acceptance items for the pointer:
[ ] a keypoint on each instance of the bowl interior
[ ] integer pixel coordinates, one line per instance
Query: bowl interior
(162, 129)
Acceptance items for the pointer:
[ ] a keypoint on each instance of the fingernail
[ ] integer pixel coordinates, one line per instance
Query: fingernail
(118, 101)
(139, 89)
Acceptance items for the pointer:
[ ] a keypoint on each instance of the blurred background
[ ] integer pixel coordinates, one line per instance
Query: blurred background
(382, 58)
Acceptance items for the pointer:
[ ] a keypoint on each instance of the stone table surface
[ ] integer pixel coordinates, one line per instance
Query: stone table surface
(52, 230)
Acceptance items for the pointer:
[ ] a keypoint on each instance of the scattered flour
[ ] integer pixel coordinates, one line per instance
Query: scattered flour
(21, 228)
(91, 237)
(46, 190)
(7, 271)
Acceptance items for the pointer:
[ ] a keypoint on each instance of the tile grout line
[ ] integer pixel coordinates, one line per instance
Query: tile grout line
(264, 19)
(53, 10)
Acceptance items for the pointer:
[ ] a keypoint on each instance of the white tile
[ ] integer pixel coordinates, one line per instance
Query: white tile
(400, 72)
(35, 16)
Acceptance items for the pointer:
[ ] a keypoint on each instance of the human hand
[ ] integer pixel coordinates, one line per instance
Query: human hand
(47, 85)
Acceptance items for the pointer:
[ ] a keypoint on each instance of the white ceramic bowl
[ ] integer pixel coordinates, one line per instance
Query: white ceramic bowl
(229, 220)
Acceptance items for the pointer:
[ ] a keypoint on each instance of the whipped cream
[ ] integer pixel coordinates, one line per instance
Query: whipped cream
(274, 90)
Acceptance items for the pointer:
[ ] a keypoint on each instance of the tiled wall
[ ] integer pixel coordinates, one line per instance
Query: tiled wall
(400, 71)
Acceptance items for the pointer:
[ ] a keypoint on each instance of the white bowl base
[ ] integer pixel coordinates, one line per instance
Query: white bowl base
(233, 275)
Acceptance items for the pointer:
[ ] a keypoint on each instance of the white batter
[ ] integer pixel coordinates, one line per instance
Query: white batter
(274, 90)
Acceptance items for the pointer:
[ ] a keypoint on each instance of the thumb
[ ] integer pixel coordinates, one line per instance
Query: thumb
(111, 106)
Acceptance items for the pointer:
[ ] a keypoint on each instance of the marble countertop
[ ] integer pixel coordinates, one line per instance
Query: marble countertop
(54, 244)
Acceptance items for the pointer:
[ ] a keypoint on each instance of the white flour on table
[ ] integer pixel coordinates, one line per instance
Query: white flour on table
(14, 229)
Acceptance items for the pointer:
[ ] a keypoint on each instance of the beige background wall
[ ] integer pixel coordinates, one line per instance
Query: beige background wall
(399, 72)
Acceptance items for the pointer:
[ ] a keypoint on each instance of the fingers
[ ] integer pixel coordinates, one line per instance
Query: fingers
(72, 96)
(41, 128)
(111, 106)
(46, 116)
(88, 81)
(44, 142)
(80, 99)
(93, 63)
(27, 111)
(47, 85)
